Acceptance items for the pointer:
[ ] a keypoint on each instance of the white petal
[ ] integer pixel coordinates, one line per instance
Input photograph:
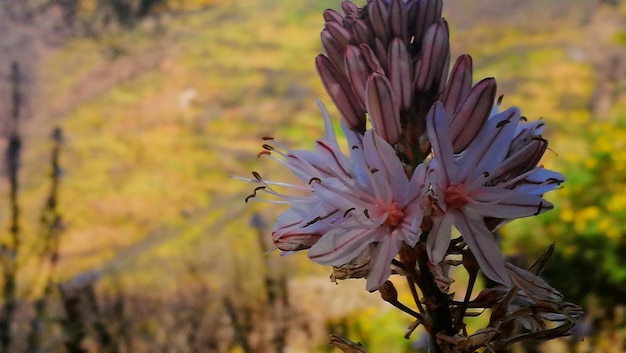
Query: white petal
(380, 270)
(340, 246)
(540, 181)
(441, 142)
(340, 194)
(483, 246)
(438, 239)
(357, 152)
(490, 146)
(381, 156)
(505, 204)
(329, 132)
(415, 189)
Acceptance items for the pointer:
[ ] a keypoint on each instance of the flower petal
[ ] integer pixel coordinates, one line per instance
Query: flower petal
(382, 158)
(535, 287)
(441, 142)
(483, 246)
(340, 246)
(490, 146)
(505, 204)
(380, 269)
(438, 239)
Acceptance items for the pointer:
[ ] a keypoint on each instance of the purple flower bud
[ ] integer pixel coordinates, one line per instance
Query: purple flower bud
(400, 73)
(340, 91)
(334, 49)
(426, 13)
(349, 8)
(433, 58)
(383, 108)
(459, 84)
(379, 20)
(358, 71)
(472, 113)
(397, 19)
(342, 35)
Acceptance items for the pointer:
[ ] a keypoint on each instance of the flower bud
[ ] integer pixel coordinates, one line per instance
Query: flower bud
(383, 109)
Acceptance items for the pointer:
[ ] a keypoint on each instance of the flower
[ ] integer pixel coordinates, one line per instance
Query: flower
(349, 203)
(388, 61)
(490, 178)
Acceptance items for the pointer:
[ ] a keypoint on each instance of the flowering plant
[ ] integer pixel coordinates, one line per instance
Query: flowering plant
(429, 152)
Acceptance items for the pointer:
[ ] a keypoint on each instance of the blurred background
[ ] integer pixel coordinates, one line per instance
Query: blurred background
(122, 122)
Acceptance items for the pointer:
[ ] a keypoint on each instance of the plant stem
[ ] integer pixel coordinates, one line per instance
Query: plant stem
(436, 302)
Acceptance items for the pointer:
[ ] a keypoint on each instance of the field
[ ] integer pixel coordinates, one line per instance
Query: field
(158, 117)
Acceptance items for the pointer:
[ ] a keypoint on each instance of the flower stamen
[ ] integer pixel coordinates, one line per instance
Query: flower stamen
(394, 216)
(455, 196)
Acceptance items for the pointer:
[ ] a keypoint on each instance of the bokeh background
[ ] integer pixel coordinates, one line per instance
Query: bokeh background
(123, 122)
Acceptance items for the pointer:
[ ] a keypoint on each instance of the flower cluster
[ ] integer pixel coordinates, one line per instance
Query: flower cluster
(349, 204)
(429, 151)
(435, 154)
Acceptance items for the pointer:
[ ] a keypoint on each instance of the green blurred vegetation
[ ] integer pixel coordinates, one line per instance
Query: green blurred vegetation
(158, 117)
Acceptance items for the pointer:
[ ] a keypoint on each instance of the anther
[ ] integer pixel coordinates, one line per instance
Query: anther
(315, 179)
(366, 213)
(500, 100)
(254, 193)
(502, 123)
(355, 147)
(348, 211)
(263, 153)
(373, 170)
(267, 147)
(267, 138)
(319, 218)
(257, 176)
(313, 221)
(486, 174)
(539, 209)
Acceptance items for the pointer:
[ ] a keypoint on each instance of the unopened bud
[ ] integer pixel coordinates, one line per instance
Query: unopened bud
(383, 109)
(388, 292)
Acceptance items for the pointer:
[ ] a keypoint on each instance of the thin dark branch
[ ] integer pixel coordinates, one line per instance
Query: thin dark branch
(10, 250)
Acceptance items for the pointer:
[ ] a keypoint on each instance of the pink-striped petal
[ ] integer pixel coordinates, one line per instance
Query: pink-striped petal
(483, 246)
(340, 246)
(441, 142)
(380, 269)
(438, 239)
(506, 204)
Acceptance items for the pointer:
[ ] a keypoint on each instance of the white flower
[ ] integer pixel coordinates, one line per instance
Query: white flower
(487, 179)
(349, 203)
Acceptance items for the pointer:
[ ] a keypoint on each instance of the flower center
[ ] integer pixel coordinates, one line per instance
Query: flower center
(455, 196)
(394, 215)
